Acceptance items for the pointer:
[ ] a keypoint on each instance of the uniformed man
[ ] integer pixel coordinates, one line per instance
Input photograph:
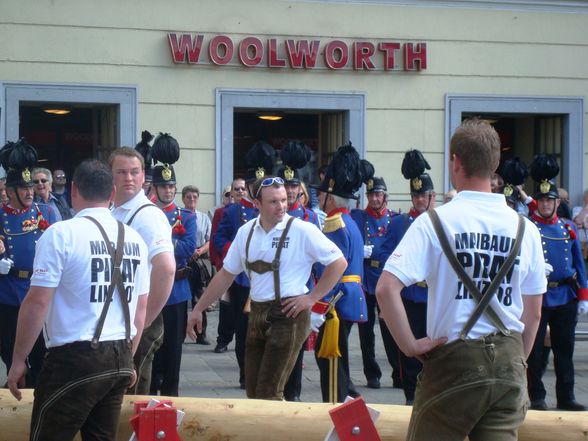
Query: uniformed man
(295, 155)
(514, 172)
(132, 207)
(566, 286)
(344, 176)
(166, 363)
(259, 159)
(23, 223)
(374, 225)
(414, 297)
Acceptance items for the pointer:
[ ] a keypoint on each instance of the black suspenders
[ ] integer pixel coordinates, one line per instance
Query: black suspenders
(484, 298)
(115, 282)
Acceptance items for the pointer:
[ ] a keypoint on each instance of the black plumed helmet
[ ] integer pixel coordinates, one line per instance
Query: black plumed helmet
(513, 172)
(345, 173)
(376, 184)
(167, 151)
(144, 148)
(259, 160)
(413, 168)
(295, 154)
(544, 169)
(18, 159)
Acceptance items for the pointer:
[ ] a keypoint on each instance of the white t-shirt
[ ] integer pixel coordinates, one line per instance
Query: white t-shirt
(150, 223)
(481, 229)
(71, 256)
(304, 245)
(203, 227)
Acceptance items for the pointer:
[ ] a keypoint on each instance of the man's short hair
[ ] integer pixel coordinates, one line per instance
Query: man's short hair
(190, 189)
(93, 179)
(256, 186)
(129, 152)
(45, 171)
(477, 145)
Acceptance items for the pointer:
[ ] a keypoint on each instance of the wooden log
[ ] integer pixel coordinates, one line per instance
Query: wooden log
(255, 420)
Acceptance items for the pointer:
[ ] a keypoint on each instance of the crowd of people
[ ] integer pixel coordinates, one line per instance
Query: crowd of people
(103, 278)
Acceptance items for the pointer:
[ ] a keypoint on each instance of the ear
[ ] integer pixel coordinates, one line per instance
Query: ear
(74, 190)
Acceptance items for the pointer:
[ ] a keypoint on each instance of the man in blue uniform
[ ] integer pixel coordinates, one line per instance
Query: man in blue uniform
(344, 176)
(374, 224)
(414, 297)
(23, 223)
(566, 285)
(295, 155)
(166, 363)
(260, 163)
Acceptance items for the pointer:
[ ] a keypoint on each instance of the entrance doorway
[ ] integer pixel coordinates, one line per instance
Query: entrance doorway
(62, 139)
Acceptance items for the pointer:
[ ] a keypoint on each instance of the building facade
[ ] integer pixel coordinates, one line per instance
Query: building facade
(385, 75)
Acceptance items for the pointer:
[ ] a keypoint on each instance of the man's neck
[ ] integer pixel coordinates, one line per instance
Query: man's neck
(59, 189)
(474, 183)
(267, 225)
(83, 205)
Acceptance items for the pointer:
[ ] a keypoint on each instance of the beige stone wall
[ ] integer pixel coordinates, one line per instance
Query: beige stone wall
(480, 51)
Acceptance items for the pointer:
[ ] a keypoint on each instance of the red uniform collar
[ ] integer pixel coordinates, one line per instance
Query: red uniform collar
(377, 214)
(170, 207)
(413, 213)
(8, 209)
(544, 221)
(295, 206)
(246, 203)
(338, 210)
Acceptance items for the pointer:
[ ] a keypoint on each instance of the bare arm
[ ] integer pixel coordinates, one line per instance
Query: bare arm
(30, 324)
(218, 285)
(531, 318)
(163, 270)
(331, 275)
(140, 320)
(394, 314)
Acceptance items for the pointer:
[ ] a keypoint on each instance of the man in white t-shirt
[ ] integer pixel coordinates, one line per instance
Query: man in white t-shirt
(279, 320)
(473, 385)
(132, 207)
(89, 363)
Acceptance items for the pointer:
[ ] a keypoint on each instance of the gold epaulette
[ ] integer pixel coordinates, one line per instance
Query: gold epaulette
(333, 223)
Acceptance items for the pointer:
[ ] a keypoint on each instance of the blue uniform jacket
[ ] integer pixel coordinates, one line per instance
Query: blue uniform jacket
(21, 231)
(398, 228)
(234, 217)
(342, 230)
(374, 228)
(184, 246)
(565, 255)
(301, 212)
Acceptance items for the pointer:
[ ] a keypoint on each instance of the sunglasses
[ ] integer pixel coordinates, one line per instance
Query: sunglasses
(239, 189)
(267, 182)
(59, 176)
(40, 181)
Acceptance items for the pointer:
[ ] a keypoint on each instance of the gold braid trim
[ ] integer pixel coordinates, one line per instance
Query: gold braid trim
(334, 223)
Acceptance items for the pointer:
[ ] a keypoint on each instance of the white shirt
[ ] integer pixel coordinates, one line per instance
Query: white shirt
(203, 227)
(304, 245)
(150, 223)
(481, 229)
(71, 257)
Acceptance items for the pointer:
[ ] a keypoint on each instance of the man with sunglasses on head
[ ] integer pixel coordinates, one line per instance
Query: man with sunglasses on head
(259, 160)
(277, 251)
(23, 223)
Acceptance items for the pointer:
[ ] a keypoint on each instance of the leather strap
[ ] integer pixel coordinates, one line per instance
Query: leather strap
(116, 281)
(484, 298)
(263, 266)
(130, 221)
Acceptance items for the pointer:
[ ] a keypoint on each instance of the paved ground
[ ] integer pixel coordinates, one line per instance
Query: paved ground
(206, 374)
